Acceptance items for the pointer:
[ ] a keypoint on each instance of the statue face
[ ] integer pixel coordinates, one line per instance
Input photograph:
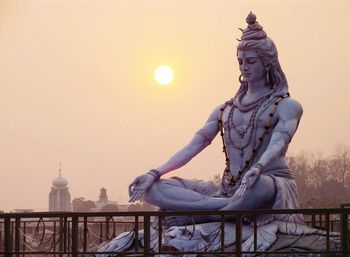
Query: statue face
(251, 66)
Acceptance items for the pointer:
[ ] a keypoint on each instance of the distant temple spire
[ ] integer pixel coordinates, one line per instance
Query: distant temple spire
(59, 197)
(60, 170)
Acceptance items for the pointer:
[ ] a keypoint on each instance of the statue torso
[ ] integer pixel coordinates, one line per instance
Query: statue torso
(242, 129)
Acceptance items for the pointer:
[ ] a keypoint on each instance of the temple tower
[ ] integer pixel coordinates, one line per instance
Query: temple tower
(59, 197)
(103, 198)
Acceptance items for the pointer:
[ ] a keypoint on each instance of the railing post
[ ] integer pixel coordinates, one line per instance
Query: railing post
(344, 230)
(147, 230)
(222, 234)
(61, 232)
(107, 228)
(8, 238)
(65, 233)
(17, 235)
(136, 233)
(238, 235)
(75, 240)
(160, 232)
(85, 234)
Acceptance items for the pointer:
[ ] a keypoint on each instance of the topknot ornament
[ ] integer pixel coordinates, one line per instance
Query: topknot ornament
(251, 18)
(254, 30)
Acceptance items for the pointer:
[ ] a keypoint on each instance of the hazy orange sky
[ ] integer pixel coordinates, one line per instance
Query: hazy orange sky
(76, 85)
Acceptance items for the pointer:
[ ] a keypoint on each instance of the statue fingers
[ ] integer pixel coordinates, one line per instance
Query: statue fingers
(251, 180)
(135, 194)
(132, 185)
(131, 189)
(139, 194)
(132, 197)
(238, 192)
(243, 189)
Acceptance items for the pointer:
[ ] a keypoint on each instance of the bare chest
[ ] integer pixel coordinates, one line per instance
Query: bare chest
(235, 119)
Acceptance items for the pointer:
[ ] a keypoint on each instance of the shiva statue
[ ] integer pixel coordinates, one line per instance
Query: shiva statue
(256, 127)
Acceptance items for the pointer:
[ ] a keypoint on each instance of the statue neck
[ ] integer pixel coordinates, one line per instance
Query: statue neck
(257, 88)
(254, 95)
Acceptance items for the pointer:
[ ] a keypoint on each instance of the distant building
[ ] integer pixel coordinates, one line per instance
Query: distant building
(103, 198)
(103, 204)
(59, 197)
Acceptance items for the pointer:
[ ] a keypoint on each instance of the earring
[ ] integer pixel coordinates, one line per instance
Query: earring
(240, 79)
(268, 79)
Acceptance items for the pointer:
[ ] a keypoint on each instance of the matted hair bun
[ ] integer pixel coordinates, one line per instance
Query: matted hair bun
(254, 30)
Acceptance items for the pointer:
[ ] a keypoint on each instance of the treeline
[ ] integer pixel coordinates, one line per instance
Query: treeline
(323, 181)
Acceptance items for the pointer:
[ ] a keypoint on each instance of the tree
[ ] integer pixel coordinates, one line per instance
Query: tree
(82, 205)
(110, 207)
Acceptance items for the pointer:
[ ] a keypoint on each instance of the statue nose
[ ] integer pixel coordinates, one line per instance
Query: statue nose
(244, 67)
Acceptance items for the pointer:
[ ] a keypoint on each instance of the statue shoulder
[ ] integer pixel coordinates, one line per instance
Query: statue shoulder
(289, 108)
(218, 110)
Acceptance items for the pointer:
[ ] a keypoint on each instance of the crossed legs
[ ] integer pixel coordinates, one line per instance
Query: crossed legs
(174, 194)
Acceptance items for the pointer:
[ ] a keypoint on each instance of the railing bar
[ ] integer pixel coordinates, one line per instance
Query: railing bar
(159, 233)
(327, 230)
(222, 235)
(173, 213)
(54, 237)
(203, 253)
(255, 235)
(85, 231)
(136, 228)
(107, 228)
(68, 234)
(101, 232)
(146, 222)
(75, 220)
(61, 235)
(344, 230)
(8, 239)
(65, 234)
(17, 234)
(24, 238)
(313, 220)
(238, 235)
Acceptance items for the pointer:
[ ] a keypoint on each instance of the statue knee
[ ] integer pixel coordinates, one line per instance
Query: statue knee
(151, 193)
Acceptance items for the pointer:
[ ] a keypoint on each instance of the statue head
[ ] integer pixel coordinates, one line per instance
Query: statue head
(254, 38)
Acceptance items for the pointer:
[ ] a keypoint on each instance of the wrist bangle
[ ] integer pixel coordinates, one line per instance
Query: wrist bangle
(155, 173)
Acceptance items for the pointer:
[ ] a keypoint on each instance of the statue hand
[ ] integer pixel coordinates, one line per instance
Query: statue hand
(139, 186)
(248, 180)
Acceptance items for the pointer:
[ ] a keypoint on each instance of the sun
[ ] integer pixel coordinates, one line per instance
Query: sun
(164, 75)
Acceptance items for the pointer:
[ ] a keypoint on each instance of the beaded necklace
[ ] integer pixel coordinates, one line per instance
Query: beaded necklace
(228, 177)
(242, 132)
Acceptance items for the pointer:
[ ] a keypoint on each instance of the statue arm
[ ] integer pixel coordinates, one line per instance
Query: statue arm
(200, 140)
(289, 113)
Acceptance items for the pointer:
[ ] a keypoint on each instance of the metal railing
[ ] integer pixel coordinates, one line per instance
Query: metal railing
(64, 234)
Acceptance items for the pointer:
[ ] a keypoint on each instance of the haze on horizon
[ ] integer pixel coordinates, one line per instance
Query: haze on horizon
(77, 87)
